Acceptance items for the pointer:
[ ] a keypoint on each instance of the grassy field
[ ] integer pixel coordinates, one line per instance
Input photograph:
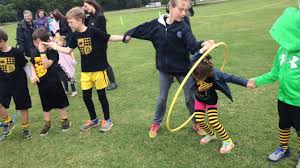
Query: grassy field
(251, 120)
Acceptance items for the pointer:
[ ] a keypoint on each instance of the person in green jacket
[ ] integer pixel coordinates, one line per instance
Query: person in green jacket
(286, 70)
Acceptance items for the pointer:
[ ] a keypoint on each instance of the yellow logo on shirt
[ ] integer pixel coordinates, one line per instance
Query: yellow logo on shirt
(203, 86)
(85, 45)
(7, 64)
(38, 66)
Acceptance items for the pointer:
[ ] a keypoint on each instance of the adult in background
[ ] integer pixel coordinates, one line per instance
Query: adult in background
(24, 33)
(53, 24)
(42, 19)
(64, 29)
(96, 19)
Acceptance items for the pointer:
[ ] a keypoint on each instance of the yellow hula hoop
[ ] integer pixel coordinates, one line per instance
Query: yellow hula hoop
(185, 80)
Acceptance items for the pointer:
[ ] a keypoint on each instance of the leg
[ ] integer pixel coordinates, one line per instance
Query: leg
(73, 86)
(25, 119)
(104, 103)
(65, 124)
(165, 81)
(66, 86)
(200, 109)
(285, 124)
(87, 98)
(111, 77)
(189, 95)
(47, 126)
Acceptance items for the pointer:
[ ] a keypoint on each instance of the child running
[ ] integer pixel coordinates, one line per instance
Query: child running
(44, 62)
(207, 80)
(92, 46)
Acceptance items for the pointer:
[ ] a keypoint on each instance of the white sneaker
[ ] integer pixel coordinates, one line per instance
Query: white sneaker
(73, 94)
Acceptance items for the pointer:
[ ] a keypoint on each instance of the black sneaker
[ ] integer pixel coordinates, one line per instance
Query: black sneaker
(65, 126)
(26, 133)
(45, 130)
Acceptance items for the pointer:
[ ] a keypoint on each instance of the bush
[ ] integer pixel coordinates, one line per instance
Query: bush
(7, 13)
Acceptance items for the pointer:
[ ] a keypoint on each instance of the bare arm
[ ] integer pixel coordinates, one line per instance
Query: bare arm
(66, 50)
(115, 38)
(34, 77)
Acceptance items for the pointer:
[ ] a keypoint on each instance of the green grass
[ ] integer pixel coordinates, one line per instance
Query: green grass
(251, 120)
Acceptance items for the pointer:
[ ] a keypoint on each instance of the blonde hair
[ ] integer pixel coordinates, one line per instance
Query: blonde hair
(76, 13)
(58, 37)
(174, 3)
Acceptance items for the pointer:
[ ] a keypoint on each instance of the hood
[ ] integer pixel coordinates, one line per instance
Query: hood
(286, 30)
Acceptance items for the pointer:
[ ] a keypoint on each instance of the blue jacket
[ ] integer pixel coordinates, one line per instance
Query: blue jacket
(173, 44)
(221, 79)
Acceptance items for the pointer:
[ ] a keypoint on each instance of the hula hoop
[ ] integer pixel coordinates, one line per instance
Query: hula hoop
(185, 80)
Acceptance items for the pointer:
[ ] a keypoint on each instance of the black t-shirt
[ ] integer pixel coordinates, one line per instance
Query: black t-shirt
(11, 64)
(205, 91)
(92, 46)
(45, 75)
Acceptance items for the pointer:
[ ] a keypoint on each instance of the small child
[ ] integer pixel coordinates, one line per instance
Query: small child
(13, 84)
(68, 64)
(50, 88)
(207, 80)
(286, 71)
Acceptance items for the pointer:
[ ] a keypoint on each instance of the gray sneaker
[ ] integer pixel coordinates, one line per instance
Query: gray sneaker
(89, 124)
(26, 133)
(112, 86)
(106, 125)
(279, 154)
(7, 129)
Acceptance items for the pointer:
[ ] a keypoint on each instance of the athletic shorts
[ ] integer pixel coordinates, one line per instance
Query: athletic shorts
(98, 79)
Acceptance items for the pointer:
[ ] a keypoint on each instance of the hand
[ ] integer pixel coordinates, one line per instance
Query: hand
(251, 84)
(34, 79)
(127, 39)
(206, 45)
(52, 45)
(42, 47)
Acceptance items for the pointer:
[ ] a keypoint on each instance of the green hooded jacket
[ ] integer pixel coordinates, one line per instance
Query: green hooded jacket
(286, 69)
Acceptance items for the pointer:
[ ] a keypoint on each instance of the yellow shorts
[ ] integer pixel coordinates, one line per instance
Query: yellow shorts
(97, 79)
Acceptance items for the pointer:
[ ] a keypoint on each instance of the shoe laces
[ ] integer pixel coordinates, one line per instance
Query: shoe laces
(103, 123)
(278, 151)
(87, 122)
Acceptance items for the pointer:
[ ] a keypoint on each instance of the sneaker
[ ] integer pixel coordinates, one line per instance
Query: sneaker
(2, 137)
(89, 124)
(106, 125)
(112, 86)
(26, 133)
(7, 129)
(45, 130)
(73, 94)
(207, 139)
(226, 147)
(279, 154)
(65, 126)
(199, 130)
(298, 165)
(153, 130)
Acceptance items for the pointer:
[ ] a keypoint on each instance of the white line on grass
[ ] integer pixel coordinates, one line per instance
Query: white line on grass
(243, 11)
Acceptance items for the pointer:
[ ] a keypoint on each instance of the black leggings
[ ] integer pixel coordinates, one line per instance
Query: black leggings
(87, 97)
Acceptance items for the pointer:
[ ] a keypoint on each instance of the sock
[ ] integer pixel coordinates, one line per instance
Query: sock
(284, 136)
(48, 123)
(214, 122)
(25, 125)
(7, 120)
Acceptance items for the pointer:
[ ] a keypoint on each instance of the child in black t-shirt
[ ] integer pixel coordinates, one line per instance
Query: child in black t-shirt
(44, 73)
(13, 84)
(92, 46)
